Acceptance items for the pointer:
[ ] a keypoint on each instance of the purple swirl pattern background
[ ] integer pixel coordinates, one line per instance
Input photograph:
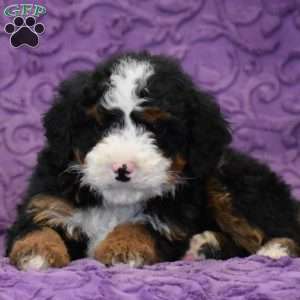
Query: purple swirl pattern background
(247, 53)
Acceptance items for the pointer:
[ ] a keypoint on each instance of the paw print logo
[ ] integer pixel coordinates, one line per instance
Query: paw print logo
(24, 32)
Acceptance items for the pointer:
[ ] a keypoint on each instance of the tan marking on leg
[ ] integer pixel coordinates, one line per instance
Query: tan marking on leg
(128, 243)
(176, 168)
(52, 211)
(279, 247)
(45, 246)
(247, 236)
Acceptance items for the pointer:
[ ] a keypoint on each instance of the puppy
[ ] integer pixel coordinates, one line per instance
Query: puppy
(135, 166)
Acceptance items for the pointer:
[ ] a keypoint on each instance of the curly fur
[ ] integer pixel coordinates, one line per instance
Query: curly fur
(100, 116)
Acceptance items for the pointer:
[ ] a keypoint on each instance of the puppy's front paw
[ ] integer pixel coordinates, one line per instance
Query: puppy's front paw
(39, 250)
(114, 254)
(202, 246)
(279, 247)
(129, 244)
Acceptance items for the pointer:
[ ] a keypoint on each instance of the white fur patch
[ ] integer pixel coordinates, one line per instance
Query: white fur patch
(206, 237)
(126, 76)
(198, 241)
(123, 201)
(127, 144)
(33, 262)
(134, 261)
(97, 222)
(148, 180)
(273, 250)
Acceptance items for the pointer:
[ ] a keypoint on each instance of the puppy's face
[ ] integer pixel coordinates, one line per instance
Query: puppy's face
(131, 128)
(138, 153)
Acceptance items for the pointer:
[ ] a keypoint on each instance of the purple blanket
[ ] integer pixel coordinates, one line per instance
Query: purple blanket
(245, 52)
(254, 278)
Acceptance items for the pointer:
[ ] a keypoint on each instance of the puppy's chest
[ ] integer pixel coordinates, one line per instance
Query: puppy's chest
(97, 222)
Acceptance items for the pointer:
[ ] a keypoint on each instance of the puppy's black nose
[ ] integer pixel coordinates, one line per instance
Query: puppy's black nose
(122, 173)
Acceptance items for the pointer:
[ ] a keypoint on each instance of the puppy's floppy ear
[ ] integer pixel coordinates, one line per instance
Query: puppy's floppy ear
(57, 124)
(209, 133)
(59, 120)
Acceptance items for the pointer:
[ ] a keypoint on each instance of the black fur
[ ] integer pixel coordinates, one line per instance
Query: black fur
(197, 130)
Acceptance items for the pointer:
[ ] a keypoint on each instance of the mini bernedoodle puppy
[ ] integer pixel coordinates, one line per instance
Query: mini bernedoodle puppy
(137, 169)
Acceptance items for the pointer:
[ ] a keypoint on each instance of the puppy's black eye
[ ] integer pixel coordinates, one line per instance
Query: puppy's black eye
(112, 116)
(115, 113)
(143, 93)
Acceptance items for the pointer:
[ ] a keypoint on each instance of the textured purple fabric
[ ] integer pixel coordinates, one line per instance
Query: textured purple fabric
(254, 278)
(247, 53)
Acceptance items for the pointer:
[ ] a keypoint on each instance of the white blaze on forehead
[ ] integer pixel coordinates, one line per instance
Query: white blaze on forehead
(126, 75)
(128, 143)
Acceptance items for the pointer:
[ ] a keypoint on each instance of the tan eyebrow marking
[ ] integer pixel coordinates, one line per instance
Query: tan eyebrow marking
(178, 163)
(78, 157)
(154, 113)
(177, 166)
(93, 112)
